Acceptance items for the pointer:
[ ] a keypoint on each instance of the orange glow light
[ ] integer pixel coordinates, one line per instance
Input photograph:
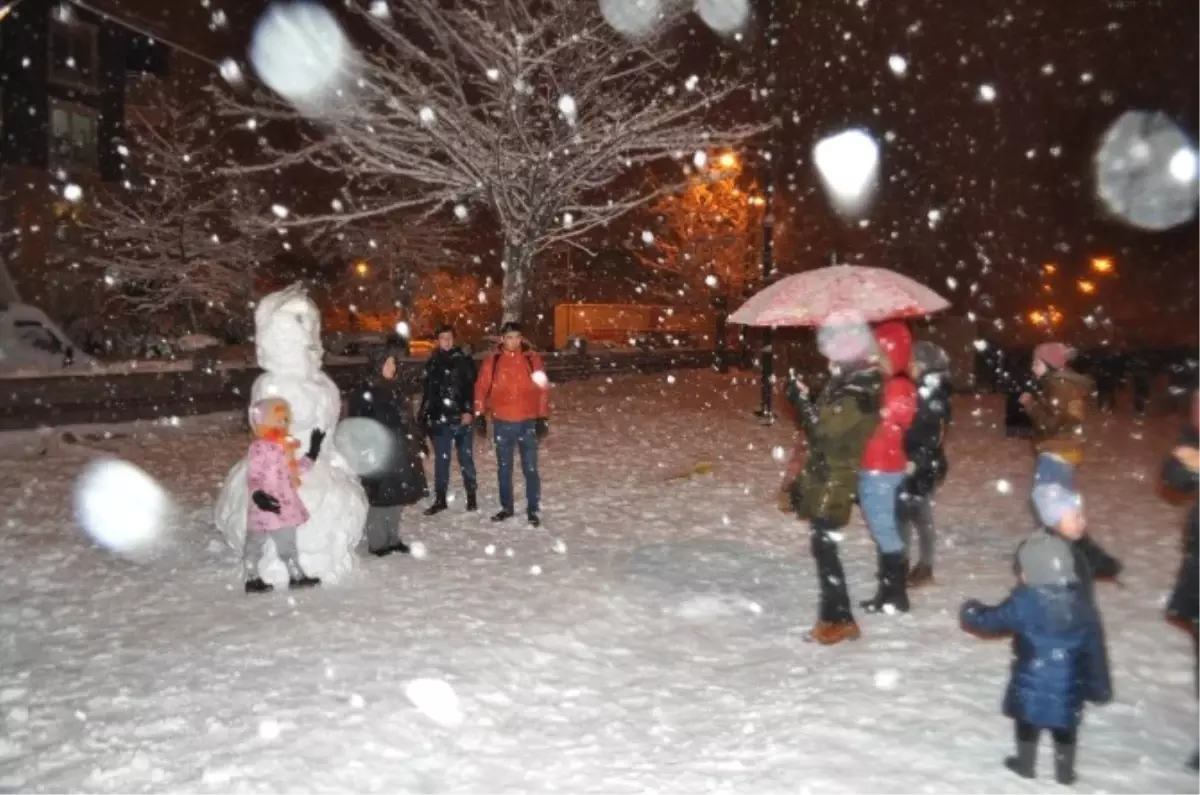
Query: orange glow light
(1102, 265)
(362, 269)
(1050, 269)
(729, 160)
(1086, 287)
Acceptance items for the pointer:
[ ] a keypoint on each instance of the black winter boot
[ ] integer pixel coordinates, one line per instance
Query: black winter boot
(534, 519)
(304, 581)
(472, 503)
(921, 574)
(502, 516)
(400, 546)
(1064, 763)
(439, 505)
(1023, 763)
(258, 585)
(892, 595)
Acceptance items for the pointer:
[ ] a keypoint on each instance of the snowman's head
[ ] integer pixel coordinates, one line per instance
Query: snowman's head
(288, 333)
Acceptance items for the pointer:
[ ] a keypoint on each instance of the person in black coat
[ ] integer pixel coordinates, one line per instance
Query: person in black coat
(447, 403)
(924, 444)
(1183, 608)
(401, 481)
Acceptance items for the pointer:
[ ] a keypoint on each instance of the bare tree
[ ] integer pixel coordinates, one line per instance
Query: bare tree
(170, 236)
(534, 112)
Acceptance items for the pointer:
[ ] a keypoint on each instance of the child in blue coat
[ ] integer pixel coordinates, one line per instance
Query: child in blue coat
(1059, 656)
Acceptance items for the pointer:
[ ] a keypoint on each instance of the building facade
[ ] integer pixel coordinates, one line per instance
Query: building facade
(65, 78)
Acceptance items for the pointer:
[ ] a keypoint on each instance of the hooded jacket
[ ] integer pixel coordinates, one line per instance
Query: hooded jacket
(1058, 412)
(402, 480)
(885, 449)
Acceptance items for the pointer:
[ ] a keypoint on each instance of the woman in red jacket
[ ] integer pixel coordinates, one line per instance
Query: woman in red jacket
(884, 465)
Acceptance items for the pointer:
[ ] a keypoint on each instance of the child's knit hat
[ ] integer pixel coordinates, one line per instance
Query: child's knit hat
(1055, 354)
(1045, 559)
(1052, 502)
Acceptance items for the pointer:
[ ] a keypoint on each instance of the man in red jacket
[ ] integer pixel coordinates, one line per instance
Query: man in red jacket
(512, 387)
(883, 468)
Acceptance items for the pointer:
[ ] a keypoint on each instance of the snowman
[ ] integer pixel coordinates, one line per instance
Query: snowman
(288, 346)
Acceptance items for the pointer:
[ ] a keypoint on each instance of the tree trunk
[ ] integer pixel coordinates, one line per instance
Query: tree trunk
(517, 261)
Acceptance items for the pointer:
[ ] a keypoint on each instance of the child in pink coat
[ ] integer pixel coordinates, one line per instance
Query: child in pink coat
(273, 477)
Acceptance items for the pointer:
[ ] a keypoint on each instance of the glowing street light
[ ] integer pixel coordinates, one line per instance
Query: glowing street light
(728, 161)
(757, 201)
(362, 268)
(1102, 265)
(1050, 269)
(1086, 287)
(1037, 317)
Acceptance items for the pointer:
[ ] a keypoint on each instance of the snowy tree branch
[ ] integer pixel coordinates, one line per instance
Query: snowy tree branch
(532, 111)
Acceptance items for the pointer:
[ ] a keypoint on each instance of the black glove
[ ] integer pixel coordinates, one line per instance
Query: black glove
(543, 428)
(265, 502)
(314, 443)
(481, 426)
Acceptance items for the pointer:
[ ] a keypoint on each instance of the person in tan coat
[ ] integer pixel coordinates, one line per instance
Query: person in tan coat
(1059, 413)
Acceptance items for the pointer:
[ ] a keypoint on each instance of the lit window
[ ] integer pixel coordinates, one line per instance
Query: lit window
(72, 134)
(73, 53)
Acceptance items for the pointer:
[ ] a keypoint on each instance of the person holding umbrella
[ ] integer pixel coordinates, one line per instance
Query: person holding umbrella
(837, 425)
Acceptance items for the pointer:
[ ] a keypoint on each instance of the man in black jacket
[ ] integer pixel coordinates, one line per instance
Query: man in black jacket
(446, 407)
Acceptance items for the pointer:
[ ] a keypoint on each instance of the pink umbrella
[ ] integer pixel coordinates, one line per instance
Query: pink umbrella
(813, 298)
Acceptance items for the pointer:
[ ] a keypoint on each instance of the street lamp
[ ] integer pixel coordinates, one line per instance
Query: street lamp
(1086, 287)
(1102, 265)
(728, 161)
(362, 268)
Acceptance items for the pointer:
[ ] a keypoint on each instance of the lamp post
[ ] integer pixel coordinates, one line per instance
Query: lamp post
(766, 411)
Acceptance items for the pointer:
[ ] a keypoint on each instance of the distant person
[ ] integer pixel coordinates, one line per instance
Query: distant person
(1181, 471)
(447, 411)
(512, 388)
(1139, 372)
(925, 445)
(381, 396)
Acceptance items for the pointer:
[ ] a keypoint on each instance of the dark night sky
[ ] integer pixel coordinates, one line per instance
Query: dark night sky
(1062, 71)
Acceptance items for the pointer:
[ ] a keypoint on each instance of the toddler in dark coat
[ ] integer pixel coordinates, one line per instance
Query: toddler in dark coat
(1059, 656)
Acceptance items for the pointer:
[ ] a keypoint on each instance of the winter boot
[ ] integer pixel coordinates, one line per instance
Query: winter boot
(400, 546)
(1023, 763)
(921, 574)
(835, 621)
(258, 585)
(892, 595)
(439, 505)
(534, 519)
(304, 581)
(472, 503)
(382, 553)
(1064, 763)
(502, 516)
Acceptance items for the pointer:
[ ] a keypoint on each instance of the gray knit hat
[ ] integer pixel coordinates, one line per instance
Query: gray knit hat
(1045, 559)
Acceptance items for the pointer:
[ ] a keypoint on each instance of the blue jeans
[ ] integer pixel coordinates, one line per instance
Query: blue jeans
(1052, 469)
(509, 437)
(877, 496)
(460, 439)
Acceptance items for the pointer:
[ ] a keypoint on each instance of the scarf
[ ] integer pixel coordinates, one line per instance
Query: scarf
(280, 437)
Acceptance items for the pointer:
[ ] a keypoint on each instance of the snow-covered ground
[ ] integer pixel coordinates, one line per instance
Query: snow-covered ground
(647, 638)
